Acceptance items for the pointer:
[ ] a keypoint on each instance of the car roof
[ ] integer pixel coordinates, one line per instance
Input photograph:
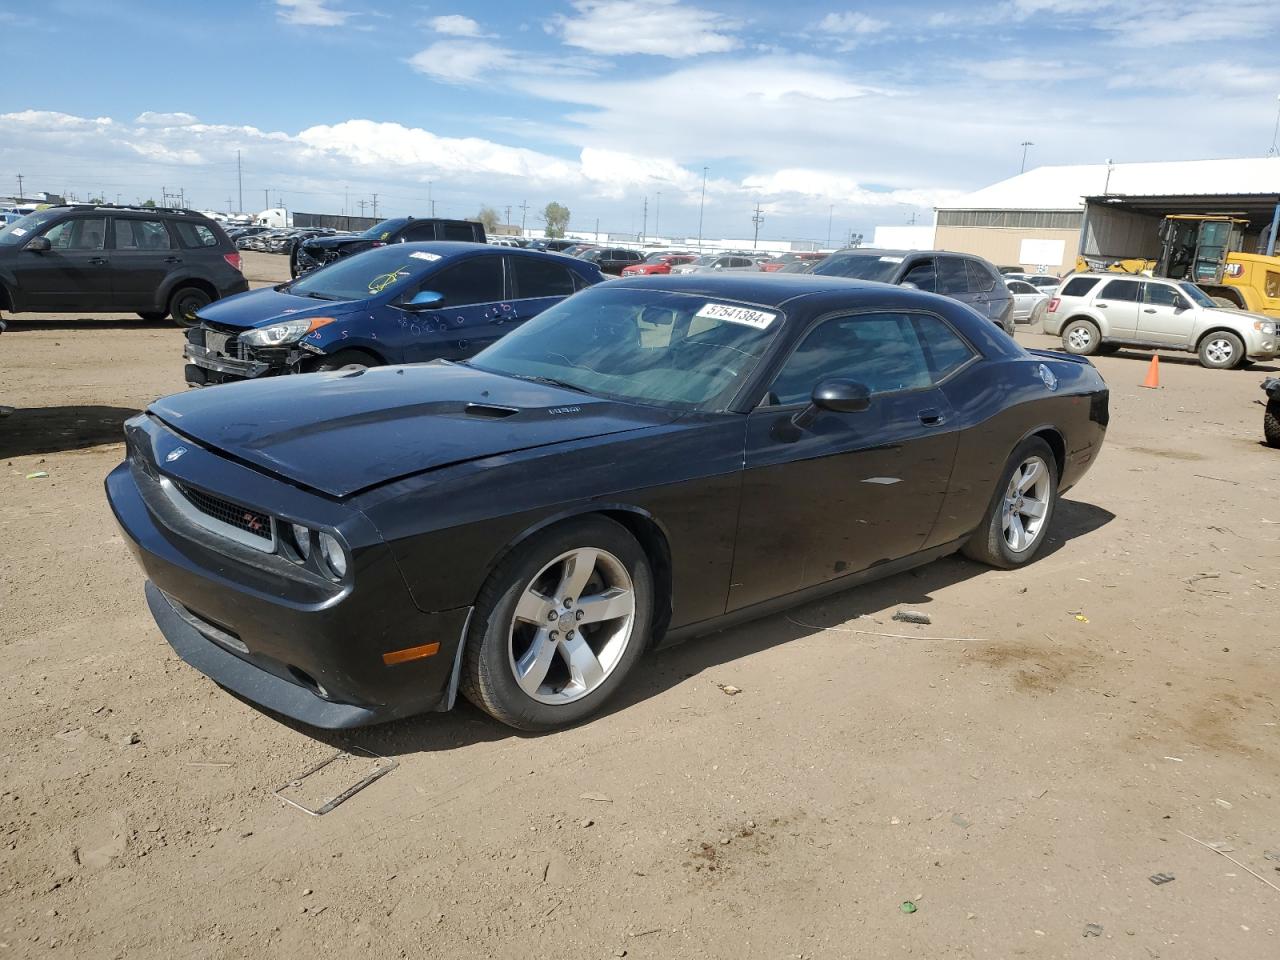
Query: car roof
(765, 289)
(461, 248)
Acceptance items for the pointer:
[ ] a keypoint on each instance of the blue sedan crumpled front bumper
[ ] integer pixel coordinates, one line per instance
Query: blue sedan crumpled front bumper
(256, 624)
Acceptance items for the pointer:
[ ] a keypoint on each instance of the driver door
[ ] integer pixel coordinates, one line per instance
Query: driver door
(1167, 316)
(473, 314)
(852, 490)
(74, 274)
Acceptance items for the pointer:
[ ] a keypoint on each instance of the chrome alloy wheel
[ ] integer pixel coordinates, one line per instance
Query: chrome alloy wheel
(1026, 503)
(1219, 350)
(1079, 338)
(573, 622)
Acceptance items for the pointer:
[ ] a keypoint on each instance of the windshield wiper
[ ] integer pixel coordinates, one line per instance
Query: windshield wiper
(319, 296)
(552, 381)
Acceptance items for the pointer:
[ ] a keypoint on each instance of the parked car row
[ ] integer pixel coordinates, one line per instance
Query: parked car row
(309, 254)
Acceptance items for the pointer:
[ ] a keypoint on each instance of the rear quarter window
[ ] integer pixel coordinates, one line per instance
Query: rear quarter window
(195, 235)
(1079, 286)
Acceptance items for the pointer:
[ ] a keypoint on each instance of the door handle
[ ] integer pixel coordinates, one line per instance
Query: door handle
(932, 417)
(97, 260)
(1101, 306)
(172, 259)
(1148, 310)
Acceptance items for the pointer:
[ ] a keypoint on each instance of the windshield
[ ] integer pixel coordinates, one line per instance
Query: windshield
(647, 346)
(859, 266)
(1198, 296)
(21, 229)
(365, 275)
(381, 231)
(657, 258)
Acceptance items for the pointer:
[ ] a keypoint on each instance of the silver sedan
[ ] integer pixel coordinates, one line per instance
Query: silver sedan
(717, 263)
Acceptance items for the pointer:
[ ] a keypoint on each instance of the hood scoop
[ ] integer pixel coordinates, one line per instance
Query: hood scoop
(487, 411)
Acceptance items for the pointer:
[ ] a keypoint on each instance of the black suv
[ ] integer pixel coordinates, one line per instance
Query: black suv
(613, 259)
(152, 261)
(960, 276)
(318, 251)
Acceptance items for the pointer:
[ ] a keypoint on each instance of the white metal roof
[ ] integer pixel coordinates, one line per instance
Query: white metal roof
(1064, 188)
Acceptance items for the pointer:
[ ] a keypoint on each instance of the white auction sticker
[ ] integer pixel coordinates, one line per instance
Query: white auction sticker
(890, 259)
(752, 318)
(430, 257)
(18, 232)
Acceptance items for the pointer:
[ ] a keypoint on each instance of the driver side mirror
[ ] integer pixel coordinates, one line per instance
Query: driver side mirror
(39, 245)
(838, 396)
(424, 300)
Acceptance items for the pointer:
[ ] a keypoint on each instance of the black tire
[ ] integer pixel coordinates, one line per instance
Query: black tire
(152, 316)
(1221, 350)
(488, 679)
(989, 544)
(1271, 423)
(185, 302)
(347, 360)
(1087, 339)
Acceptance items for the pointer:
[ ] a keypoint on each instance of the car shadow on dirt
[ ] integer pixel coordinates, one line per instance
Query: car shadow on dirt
(668, 667)
(33, 430)
(24, 322)
(1189, 360)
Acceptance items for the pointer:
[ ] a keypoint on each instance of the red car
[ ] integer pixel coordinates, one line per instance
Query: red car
(658, 263)
(772, 266)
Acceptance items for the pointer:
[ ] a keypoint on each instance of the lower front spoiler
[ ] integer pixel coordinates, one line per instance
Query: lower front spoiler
(249, 681)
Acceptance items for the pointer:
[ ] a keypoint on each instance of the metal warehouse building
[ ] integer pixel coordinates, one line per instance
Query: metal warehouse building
(1043, 219)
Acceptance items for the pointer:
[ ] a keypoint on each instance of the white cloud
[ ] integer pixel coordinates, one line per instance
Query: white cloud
(851, 24)
(150, 119)
(465, 60)
(660, 28)
(456, 25)
(311, 13)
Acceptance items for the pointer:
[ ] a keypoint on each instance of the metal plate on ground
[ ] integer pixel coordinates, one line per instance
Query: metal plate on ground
(334, 780)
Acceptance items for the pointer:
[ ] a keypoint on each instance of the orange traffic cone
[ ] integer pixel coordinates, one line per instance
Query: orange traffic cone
(1153, 374)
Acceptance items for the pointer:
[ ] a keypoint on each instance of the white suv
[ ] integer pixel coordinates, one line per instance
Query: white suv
(1102, 312)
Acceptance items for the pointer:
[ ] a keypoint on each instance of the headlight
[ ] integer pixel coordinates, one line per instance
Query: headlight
(1266, 328)
(301, 539)
(281, 333)
(334, 556)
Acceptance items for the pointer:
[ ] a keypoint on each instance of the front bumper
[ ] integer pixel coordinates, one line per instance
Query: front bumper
(258, 625)
(218, 356)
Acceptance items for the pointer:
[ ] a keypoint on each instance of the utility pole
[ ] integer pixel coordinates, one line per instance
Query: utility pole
(524, 211)
(1106, 187)
(362, 202)
(266, 200)
(598, 229)
(1273, 152)
(701, 206)
(20, 194)
(375, 206)
(346, 202)
(644, 230)
(831, 212)
(430, 200)
(757, 220)
(240, 180)
(911, 221)
(228, 206)
(1025, 144)
(508, 217)
(657, 210)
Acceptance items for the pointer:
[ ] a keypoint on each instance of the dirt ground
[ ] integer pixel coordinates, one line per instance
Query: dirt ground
(1018, 770)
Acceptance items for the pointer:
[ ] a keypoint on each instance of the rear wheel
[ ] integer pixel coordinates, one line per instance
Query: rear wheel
(1271, 423)
(347, 360)
(1081, 337)
(1221, 350)
(1016, 523)
(185, 302)
(559, 625)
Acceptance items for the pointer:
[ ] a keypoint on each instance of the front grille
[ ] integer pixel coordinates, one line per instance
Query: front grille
(252, 522)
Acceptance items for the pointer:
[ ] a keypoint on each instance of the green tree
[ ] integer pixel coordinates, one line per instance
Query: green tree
(556, 217)
(489, 217)
(148, 202)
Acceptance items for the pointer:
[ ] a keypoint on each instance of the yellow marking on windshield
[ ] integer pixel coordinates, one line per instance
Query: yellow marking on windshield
(384, 280)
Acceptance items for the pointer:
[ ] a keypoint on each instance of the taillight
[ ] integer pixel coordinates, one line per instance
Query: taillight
(233, 259)
(1053, 305)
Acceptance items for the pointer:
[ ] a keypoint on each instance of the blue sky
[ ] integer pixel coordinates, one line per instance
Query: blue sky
(862, 113)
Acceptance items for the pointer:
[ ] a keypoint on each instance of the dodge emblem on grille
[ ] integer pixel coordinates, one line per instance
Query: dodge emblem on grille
(174, 454)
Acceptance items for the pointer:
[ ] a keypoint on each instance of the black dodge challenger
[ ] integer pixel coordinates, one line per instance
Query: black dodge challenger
(648, 460)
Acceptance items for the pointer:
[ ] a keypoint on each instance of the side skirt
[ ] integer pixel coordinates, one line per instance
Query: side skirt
(840, 584)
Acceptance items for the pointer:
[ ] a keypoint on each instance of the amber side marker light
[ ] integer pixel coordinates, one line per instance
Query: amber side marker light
(410, 653)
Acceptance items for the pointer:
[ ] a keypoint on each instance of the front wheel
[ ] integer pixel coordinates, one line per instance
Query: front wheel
(346, 360)
(1271, 423)
(1081, 337)
(1014, 527)
(1221, 350)
(559, 625)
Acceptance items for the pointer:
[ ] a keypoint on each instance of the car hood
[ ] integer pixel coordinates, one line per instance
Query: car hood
(261, 308)
(341, 433)
(1234, 317)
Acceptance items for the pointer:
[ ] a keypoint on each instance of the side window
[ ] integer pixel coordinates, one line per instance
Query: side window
(141, 235)
(922, 275)
(80, 233)
(537, 278)
(195, 235)
(1162, 295)
(458, 231)
(1020, 287)
(881, 350)
(1079, 286)
(944, 350)
(1121, 290)
(476, 280)
(981, 279)
(420, 232)
(740, 262)
(953, 279)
